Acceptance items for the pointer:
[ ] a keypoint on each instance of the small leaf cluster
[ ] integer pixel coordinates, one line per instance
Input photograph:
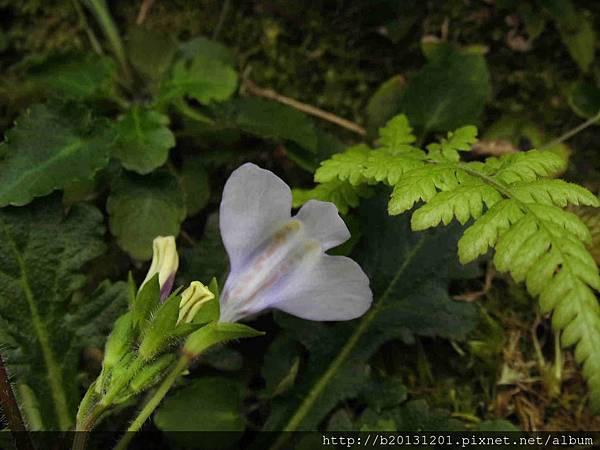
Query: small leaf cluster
(511, 204)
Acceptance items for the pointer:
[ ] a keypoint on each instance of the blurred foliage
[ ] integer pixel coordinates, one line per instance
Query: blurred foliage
(467, 349)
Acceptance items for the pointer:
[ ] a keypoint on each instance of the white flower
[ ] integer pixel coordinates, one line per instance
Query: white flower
(165, 262)
(279, 261)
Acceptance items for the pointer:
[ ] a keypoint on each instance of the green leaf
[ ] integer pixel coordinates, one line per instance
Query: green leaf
(74, 75)
(150, 52)
(41, 255)
(206, 404)
(280, 366)
(206, 259)
(208, 49)
(216, 333)
(204, 79)
(347, 166)
(396, 133)
(193, 178)
(576, 31)
(273, 120)
(448, 92)
(409, 275)
(143, 207)
(144, 140)
(146, 302)
(48, 148)
(584, 98)
(341, 193)
(385, 102)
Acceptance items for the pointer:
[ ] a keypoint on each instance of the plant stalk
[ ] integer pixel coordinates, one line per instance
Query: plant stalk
(153, 402)
(105, 21)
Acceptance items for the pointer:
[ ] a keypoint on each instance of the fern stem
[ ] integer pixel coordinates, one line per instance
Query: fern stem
(11, 410)
(572, 132)
(153, 402)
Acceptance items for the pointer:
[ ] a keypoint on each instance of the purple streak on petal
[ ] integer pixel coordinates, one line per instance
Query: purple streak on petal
(323, 223)
(255, 203)
(335, 288)
(165, 290)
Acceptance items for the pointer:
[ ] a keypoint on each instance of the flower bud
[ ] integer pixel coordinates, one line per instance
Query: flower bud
(192, 300)
(165, 262)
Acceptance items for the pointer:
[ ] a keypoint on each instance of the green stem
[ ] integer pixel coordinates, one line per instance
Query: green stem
(100, 10)
(82, 430)
(345, 352)
(572, 132)
(154, 401)
(86, 27)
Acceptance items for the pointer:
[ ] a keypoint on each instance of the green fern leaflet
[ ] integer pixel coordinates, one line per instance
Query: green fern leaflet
(512, 204)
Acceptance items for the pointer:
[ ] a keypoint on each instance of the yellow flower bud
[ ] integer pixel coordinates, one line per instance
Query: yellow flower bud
(192, 300)
(165, 262)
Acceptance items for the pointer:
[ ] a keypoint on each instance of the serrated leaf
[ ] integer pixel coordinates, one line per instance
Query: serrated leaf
(143, 140)
(48, 148)
(201, 78)
(143, 207)
(527, 166)
(41, 255)
(347, 166)
(396, 133)
(553, 192)
(409, 275)
(74, 75)
(448, 92)
(208, 49)
(341, 193)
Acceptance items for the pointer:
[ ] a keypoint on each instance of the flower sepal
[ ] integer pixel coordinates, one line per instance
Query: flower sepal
(216, 333)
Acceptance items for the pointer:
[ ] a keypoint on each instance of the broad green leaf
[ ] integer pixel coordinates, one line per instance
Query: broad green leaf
(143, 207)
(273, 120)
(150, 52)
(584, 98)
(144, 140)
(280, 365)
(208, 49)
(448, 92)
(385, 103)
(48, 148)
(202, 78)
(205, 404)
(41, 256)
(409, 275)
(74, 75)
(576, 31)
(193, 178)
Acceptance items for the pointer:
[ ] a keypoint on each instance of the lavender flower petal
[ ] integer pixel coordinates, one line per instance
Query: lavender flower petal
(323, 223)
(255, 203)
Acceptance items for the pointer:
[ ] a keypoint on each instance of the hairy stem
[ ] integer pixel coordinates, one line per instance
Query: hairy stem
(153, 402)
(11, 411)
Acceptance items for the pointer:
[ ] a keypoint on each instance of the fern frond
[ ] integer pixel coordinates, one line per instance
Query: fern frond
(553, 192)
(516, 207)
(341, 193)
(346, 166)
(459, 140)
(464, 202)
(396, 135)
(526, 166)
